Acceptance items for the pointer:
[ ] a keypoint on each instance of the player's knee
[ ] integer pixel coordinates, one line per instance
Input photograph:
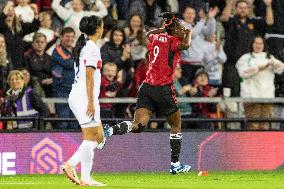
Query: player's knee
(139, 129)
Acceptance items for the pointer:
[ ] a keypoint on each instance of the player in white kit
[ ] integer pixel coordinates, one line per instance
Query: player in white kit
(84, 101)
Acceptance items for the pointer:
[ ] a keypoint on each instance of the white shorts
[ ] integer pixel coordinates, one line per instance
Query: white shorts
(78, 103)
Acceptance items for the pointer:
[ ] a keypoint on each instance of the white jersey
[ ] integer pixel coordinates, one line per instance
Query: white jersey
(90, 56)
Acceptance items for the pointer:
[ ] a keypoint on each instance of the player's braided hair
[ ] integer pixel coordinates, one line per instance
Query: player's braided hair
(171, 21)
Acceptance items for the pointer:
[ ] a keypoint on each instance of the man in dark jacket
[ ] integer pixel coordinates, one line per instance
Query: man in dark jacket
(274, 36)
(62, 66)
(240, 30)
(14, 31)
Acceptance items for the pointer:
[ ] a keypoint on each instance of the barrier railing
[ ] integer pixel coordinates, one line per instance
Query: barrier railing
(180, 99)
(241, 119)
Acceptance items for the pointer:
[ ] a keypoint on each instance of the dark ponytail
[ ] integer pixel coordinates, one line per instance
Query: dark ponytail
(81, 42)
(88, 26)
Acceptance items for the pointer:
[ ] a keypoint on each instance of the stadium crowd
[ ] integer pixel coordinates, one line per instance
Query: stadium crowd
(237, 50)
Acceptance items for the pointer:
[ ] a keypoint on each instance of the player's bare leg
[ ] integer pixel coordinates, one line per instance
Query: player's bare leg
(175, 141)
(92, 136)
(141, 119)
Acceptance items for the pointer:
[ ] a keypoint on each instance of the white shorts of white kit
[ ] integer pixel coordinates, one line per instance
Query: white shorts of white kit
(78, 103)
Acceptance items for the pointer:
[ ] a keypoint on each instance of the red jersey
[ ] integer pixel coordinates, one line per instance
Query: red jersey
(164, 57)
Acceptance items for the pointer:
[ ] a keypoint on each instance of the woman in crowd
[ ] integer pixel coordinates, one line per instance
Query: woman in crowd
(14, 30)
(72, 15)
(24, 10)
(135, 33)
(22, 101)
(193, 57)
(5, 66)
(117, 51)
(45, 20)
(257, 71)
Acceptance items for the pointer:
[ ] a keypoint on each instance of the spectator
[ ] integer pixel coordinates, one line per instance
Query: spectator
(73, 15)
(140, 74)
(117, 51)
(25, 11)
(29, 82)
(38, 64)
(22, 101)
(213, 59)
(14, 31)
(275, 33)
(257, 71)
(62, 69)
(110, 21)
(111, 9)
(45, 28)
(5, 66)
(195, 4)
(2, 4)
(122, 8)
(109, 88)
(135, 33)
(274, 37)
(171, 5)
(43, 5)
(201, 88)
(192, 58)
(275, 43)
(182, 91)
(149, 11)
(239, 33)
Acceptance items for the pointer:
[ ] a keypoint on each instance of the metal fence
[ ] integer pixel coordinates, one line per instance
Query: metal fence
(239, 119)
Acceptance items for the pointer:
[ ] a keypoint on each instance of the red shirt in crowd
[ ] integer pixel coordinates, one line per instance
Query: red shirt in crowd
(108, 86)
(164, 57)
(44, 5)
(139, 76)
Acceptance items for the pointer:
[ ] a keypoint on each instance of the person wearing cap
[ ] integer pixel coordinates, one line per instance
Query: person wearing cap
(201, 88)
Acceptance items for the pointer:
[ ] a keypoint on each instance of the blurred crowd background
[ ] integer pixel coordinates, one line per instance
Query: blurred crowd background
(237, 50)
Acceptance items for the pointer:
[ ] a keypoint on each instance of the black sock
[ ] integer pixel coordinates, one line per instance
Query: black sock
(120, 129)
(175, 142)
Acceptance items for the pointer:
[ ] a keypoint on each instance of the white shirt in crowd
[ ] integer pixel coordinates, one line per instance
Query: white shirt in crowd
(72, 19)
(90, 56)
(49, 33)
(25, 13)
(256, 83)
(194, 53)
(213, 59)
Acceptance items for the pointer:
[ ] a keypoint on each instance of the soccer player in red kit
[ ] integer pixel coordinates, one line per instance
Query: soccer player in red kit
(157, 94)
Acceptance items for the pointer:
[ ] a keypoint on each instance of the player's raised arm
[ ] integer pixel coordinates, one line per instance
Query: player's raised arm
(154, 31)
(186, 40)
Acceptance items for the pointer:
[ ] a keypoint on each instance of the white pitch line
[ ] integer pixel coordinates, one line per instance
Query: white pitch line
(16, 183)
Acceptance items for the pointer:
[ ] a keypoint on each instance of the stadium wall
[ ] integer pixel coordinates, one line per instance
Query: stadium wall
(41, 153)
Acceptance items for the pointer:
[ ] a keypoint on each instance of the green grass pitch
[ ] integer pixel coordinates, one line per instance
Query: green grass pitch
(214, 180)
